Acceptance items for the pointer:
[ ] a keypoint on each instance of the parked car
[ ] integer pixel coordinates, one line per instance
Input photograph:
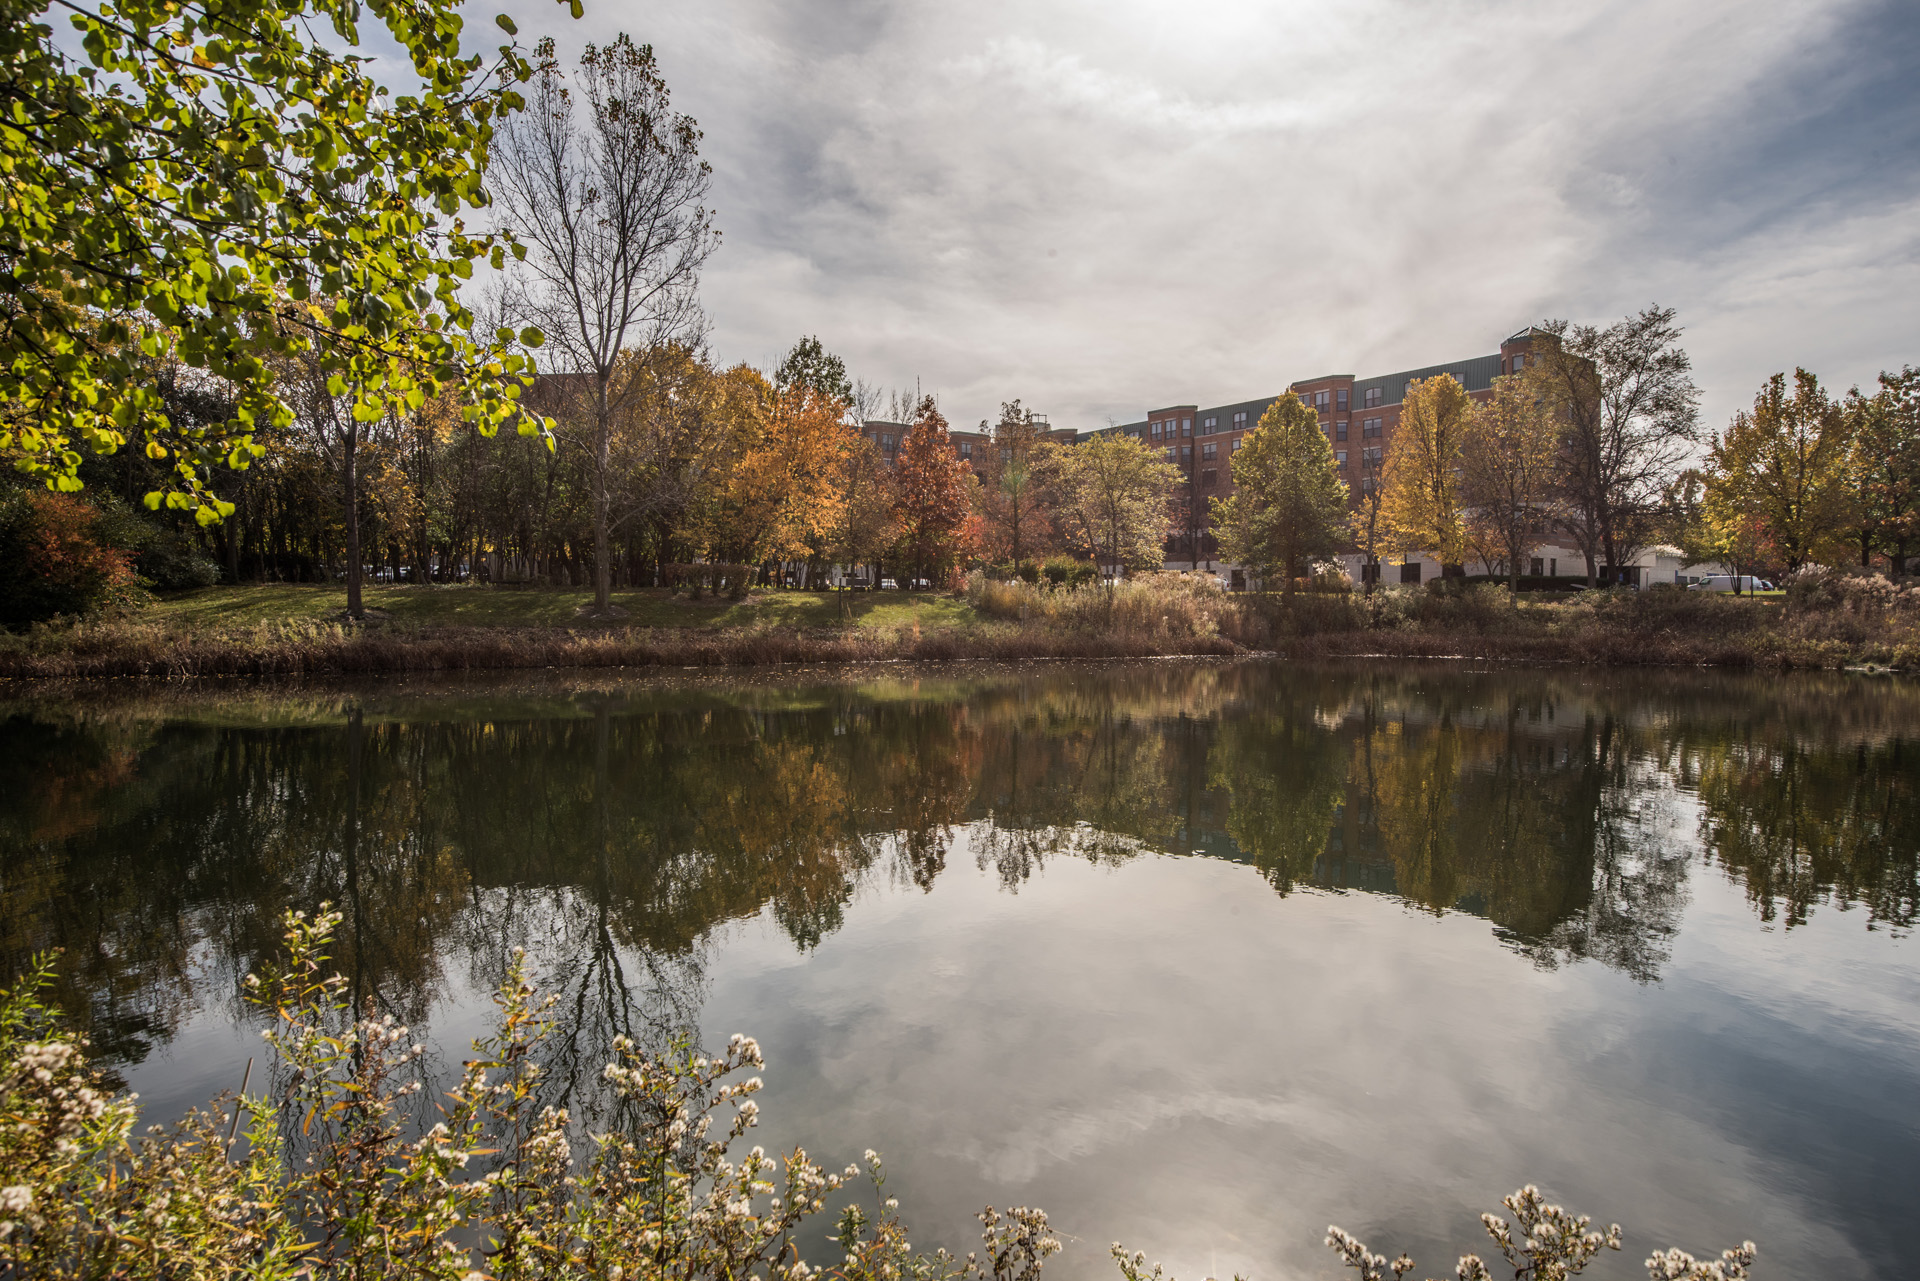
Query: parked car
(1744, 584)
(888, 585)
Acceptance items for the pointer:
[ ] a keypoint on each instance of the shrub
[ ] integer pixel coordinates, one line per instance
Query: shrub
(1460, 606)
(1536, 582)
(1006, 570)
(163, 555)
(1066, 571)
(342, 1176)
(715, 578)
(168, 561)
(1818, 589)
(1267, 616)
(55, 560)
(1543, 1241)
(1329, 576)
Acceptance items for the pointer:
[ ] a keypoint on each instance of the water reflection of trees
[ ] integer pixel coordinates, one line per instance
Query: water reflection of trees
(610, 829)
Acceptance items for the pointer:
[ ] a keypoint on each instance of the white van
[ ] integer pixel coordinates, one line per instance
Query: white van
(1744, 584)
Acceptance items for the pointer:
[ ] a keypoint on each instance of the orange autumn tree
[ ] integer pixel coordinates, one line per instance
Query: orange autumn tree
(933, 496)
(786, 485)
(776, 491)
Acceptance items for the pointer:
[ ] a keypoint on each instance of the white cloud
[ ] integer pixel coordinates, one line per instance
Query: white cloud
(1101, 207)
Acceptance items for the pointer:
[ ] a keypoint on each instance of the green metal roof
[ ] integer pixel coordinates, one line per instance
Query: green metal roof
(1476, 374)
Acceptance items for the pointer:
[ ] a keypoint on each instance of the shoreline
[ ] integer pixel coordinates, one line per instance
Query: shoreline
(97, 654)
(291, 631)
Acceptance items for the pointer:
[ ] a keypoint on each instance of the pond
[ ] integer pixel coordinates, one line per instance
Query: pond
(1200, 957)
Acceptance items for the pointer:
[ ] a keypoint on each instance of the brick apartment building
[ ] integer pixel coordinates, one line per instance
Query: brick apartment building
(972, 446)
(1358, 414)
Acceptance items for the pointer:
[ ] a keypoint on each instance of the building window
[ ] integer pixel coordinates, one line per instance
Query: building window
(1209, 451)
(1322, 399)
(1368, 484)
(1553, 566)
(1234, 448)
(886, 442)
(1410, 572)
(1168, 452)
(1369, 426)
(1539, 567)
(1340, 457)
(966, 449)
(1209, 425)
(1209, 478)
(1340, 399)
(1240, 420)
(1372, 398)
(1519, 362)
(1186, 451)
(1156, 430)
(1371, 456)
(1340, 430)
(1186, 426)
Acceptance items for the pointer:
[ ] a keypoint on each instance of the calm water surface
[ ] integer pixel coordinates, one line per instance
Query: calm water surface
(1198, 957)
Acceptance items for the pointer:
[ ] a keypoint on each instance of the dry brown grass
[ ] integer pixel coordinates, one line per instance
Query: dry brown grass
(134, 649)
(1162, 615)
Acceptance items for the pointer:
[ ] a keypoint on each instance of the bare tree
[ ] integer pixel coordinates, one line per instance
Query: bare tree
(1630, 420)
(1505, 464)
(612, 208)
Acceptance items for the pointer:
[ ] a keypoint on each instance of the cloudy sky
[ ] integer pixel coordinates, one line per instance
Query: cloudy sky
(1105, 207)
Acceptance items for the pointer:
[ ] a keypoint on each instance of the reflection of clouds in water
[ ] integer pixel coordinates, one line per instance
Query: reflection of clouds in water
(1149, 1066)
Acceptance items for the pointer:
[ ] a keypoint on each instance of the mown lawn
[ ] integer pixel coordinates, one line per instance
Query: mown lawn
(474, 606)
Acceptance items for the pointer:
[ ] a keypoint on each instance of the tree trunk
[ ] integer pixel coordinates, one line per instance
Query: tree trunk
(230, 544)
(350, 483)
(602, 548)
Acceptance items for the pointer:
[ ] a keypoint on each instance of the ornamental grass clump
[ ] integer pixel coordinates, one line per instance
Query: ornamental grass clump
(343, 1169)
(1156, 605)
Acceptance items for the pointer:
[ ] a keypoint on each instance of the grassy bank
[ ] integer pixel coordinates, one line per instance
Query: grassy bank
(293, 630)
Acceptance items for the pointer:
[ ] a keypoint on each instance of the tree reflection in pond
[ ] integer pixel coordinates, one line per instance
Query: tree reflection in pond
(612, 826)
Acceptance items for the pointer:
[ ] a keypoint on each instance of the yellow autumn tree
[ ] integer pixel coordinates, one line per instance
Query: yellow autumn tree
(1781, 473)
(1420, 510)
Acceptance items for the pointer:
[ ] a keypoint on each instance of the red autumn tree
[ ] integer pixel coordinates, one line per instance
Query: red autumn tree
(933, 495)
(55, 559)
